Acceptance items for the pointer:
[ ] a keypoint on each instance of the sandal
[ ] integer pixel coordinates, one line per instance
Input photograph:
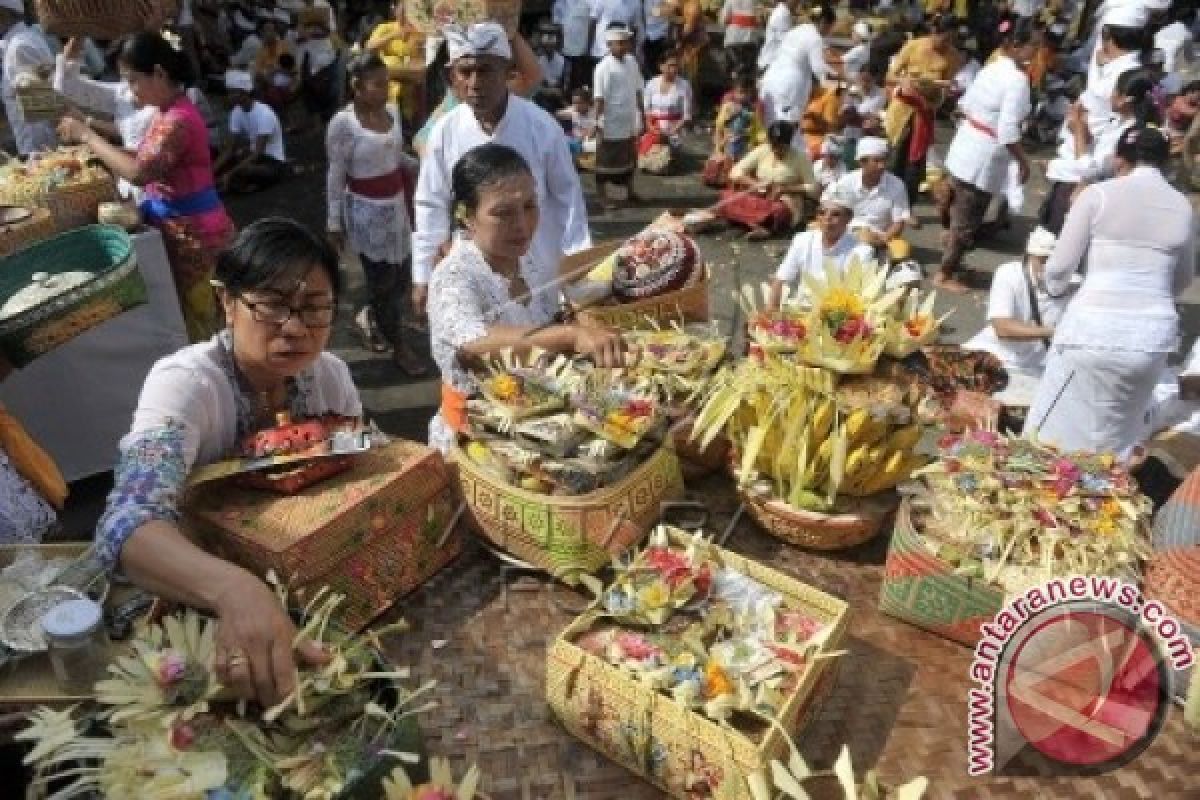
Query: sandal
(368, 333)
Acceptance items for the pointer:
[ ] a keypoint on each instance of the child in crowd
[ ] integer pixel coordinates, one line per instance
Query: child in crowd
(738, 128)
(580, 119)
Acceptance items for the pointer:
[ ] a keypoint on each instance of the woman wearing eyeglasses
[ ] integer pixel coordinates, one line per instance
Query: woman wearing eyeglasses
(278, 286)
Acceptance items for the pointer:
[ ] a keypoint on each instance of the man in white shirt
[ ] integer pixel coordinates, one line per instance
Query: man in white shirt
(879, 199)
(551, 92)
(658, 31)
(1021, 314)
(576, 30)
(619, 115)
(253, 158)
(787, 83)
(778, 25)
(856, 58)
(1118, 52)
(605, 14)
(830, 240)
(28, 58)
(740, 18)
(480, 60)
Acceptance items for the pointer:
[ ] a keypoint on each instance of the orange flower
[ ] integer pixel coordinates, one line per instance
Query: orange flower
(716, 682)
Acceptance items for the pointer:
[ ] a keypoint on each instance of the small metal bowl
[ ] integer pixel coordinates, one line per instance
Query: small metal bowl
(21, 627)
(13, 215)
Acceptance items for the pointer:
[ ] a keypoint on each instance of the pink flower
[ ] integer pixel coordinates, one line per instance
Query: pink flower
(637, 647)
(170, 668)
(674, 567)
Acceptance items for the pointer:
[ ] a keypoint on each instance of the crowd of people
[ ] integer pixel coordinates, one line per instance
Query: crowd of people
(453, 176)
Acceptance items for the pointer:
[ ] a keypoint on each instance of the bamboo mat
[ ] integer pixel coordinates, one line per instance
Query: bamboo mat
(899, 700)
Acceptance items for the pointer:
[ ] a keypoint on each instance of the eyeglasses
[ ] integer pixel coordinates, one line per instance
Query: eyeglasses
(825, 212)
(271, 312)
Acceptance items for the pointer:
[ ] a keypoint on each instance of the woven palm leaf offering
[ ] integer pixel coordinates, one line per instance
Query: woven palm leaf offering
(694, 664)
(815, 455)
(566, 486)
(654, 277)
(796, 780)
(168, 729)
(913, 326)
(68, 181)
(996, 515)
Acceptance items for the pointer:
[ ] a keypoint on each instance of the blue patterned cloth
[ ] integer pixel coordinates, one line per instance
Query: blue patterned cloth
(148, 483)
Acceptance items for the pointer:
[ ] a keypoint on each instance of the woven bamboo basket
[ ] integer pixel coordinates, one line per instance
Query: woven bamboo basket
(39, 226)
(815, 530)
(665, 743)
(104, 19)
(694, 461)
(567, 535)
(116, 287)
(922, 589)
(689, 304)
(430, 16)
(76, 204)
(1173, 578)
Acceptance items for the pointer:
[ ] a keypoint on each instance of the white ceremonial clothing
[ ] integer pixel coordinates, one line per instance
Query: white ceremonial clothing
(740, 18)
(26, 53)
(658, 23)
(1008, 298)
(378, 228)
(260, 120)
(778, 24)
(617, 83)
(995, 107)
(1095, 165)
(661, 99)
(541, 141)
(807, 255)
(1114, 339)
(1175, 41)
(787, 83)
(577, 18)
(877, 207)
(855, 59)
(554, 69)
(608, 12)
(1101, 81)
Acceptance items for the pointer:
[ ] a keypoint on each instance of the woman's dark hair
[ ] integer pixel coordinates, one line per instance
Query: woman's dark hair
(780, 132)
(142, 52)
(362, 65)
(481, 167)
(1130, 40)
(824, 15)
(1191, 86)
(670, 54)
(1014, 31)
(1138, 86)
(274, 252)
(287, 61)
(1144, 145)
(745, 82)
(944, 23)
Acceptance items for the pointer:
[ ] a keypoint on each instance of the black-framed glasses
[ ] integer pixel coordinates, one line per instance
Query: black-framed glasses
(278, 313)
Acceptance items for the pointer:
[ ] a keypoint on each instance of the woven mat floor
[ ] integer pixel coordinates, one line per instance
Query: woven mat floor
(899, 699)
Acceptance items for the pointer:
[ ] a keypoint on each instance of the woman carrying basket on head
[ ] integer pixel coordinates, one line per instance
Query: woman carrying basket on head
(174, 166)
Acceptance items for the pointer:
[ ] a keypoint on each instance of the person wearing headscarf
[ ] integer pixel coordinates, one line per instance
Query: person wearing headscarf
(1139, 235)
(480, 58)
(788, 83)
(855, 59)
(27, 59)
(987, 145)
(620, 116)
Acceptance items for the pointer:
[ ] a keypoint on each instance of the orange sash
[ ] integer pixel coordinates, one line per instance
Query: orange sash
(454, 408)
(30, 461)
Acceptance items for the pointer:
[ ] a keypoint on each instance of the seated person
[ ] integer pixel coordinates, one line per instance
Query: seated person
(281, 84)
(580, 118)
(830, 167)
(1021, 315)
(737, 130)
(769, 185)
(822, 117)
(830, 240)
(278, 285)
(32, 490)
(253, 157)
(880, 201)
(869, 100)
(490, 288)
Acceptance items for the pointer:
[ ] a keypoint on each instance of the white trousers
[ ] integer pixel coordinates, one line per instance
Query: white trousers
(1094, 400)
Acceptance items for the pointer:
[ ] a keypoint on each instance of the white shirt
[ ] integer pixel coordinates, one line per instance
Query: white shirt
(617, 83)
(26, 52)
(247, 53)
(808, 254)
(1172, 40)
(856, 58)
(260, 120)
(1027, 8)
(1009, 299)
(967, 74)
(554, 67)
(113, 99)
(1097, 164)
(828, 173)
(676, 99)
(878, 207)
(1101, 81)
(778, 24)
(606, 12)
(787, 83)
(320, 54)
(871, 105)
(738, 32)
(658, 24)
(999, 101)
(1139, 236)
(539, 138)
(577, 18)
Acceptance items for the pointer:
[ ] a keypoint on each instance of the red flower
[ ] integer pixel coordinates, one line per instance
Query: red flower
(671, 565)
(182, 737)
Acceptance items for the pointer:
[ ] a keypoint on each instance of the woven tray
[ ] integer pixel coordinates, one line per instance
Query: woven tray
(817, 531)
(18, 235)
(689, 304)
(118, 286)
(565, 535)
(922, 589)
(430, 16)
(104, 19)
(76, 204)
(607, 707)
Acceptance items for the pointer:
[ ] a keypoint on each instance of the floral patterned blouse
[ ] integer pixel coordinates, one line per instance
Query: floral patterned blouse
(193, 410)
(24, 516)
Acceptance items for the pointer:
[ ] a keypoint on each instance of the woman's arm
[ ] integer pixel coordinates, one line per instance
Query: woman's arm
(1007, 328)
(603, 345)
(1073, 241)
(98, 96)
(120, 162)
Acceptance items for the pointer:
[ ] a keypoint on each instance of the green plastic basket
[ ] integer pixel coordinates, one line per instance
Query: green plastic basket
(104, 250)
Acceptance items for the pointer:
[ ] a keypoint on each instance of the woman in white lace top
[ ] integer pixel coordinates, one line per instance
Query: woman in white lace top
(492, 291)
(1112, 343)
(369, 177)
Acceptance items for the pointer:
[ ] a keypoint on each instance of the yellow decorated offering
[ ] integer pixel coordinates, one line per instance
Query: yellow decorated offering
(913, 326)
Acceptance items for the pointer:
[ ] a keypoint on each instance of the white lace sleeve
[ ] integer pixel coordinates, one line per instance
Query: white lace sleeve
(339, 145)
